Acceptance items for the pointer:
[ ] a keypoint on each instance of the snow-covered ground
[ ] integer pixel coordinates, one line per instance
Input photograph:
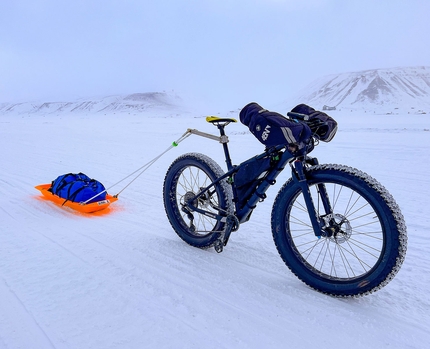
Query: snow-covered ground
(125, 280)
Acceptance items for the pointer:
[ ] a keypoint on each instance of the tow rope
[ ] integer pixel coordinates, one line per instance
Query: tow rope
(143, 168)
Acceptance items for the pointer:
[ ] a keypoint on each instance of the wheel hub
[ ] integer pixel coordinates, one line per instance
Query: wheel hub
(202, 201)
(188, 196)
(337, 228)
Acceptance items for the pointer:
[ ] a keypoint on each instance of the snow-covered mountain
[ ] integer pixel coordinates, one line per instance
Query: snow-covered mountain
(131, 103)
(396, 90)
(384, 90)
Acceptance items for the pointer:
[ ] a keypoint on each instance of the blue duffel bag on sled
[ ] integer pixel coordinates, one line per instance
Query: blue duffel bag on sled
(78, 188)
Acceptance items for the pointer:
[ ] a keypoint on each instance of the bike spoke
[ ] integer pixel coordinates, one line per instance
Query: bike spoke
(191, 181)
(357, 245)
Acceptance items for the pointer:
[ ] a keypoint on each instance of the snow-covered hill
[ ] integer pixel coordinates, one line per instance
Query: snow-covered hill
(380, 91)
(383, 90)
(131, 103)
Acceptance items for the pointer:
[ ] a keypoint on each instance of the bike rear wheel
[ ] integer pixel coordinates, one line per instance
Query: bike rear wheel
(185, 178)
(366, 241)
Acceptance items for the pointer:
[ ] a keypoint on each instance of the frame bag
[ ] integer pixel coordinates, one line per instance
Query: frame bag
(250, 175)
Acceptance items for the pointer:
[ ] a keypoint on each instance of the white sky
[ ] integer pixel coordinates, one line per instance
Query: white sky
(222, 52)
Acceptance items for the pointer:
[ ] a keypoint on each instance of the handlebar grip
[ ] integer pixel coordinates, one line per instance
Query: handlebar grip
(298, 116)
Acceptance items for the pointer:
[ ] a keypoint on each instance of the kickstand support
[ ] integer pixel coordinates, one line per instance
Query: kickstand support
(232, 224)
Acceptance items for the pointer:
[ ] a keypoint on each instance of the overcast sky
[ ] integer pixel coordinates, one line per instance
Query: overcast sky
(225, 52)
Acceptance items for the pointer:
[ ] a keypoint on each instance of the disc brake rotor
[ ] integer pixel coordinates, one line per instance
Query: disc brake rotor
(338, 228)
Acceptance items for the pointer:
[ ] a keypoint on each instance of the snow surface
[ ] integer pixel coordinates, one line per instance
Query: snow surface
(125, 280)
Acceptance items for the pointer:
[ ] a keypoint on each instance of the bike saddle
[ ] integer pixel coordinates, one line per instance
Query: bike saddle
(216, 119)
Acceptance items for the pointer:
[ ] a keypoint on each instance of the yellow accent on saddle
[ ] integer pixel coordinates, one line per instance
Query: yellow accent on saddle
(213, 119)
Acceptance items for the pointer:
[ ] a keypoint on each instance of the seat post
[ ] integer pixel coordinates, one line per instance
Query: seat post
(221, 123)
(225, 146)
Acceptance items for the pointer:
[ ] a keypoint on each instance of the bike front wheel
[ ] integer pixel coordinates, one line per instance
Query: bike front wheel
(366, 241)
(185, 178)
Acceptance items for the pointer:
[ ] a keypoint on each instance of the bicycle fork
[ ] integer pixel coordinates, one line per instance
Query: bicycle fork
(319, 222)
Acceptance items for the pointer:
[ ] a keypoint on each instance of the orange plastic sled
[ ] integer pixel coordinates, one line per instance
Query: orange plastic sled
(84, 208)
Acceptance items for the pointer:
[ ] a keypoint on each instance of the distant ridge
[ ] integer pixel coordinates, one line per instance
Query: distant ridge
(130, 103)
(377, 89)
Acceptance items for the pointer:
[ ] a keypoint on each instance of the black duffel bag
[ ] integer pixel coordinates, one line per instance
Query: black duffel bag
(273, 129)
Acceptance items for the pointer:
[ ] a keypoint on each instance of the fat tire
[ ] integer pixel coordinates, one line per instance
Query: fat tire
(393, 232)
(205, 166)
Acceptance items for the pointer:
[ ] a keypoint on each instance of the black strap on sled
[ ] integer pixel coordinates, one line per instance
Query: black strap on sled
(72, 196)
(61, 185)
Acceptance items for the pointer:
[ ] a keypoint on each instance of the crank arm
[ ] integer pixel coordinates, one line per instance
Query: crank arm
(232, 224)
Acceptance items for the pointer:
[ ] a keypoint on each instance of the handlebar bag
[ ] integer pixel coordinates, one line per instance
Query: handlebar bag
(272, 128)
(323, 126)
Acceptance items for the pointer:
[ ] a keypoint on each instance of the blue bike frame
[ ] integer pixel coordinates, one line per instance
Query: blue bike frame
(283, 157)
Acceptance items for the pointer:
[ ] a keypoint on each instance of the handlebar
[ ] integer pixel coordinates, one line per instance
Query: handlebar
(298, 116)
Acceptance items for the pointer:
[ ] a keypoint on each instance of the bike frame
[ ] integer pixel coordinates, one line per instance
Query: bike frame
(284, 156)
